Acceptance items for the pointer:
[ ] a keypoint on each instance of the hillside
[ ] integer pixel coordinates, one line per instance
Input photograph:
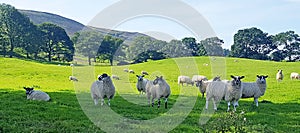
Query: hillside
(72, 26)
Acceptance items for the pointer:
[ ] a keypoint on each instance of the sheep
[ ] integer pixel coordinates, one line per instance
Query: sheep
(102, 88)
(141, 84)
(255, 89)
(295, 75)
(73, 78)
(71, 65)
(36, 95)
(231, 92)
(115, 77)
(202, 84)
(144, 73)
(279, 75)
(185, 79)
(198, 78)
(126, 70)
(157, 89)
(131, 71)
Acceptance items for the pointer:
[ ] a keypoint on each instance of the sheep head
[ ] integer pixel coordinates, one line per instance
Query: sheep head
(236, 80)
(261, 79)
(28, 90)
(140, 78)
(158, 80)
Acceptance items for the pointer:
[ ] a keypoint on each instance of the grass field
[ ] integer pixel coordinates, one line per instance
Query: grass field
(72, 109)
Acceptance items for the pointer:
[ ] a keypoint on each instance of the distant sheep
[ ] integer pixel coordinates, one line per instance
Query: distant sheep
(126, 70)
(231, 91)
(199, 78)
(102, 88)
(131, 71)
(205, 64)
(255, 89)
(295, 75)
(115, 77)
(141, 84)
(73, 78)
(144, 73)
(185, 79)
(71, 65)
(36, 95)
(279, 75)
(157, 89)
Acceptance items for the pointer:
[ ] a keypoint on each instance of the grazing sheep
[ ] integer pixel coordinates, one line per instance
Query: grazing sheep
(255, 89)
(141, 84)
(115, 77)
(185, 79)
(144, 73)
(102, 88)
(126, 70)
(131, 71)
(73, 78)
(231, 91)
(279, 75)
(295, 75)
(157, 89)
(198, 78)
(36, 95)
(202, 84)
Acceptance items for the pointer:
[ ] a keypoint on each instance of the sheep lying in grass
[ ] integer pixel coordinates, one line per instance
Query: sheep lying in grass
(36, 95)
(102, 88)
(115, 77)
(185, 79)
(231, 91)
(141, 84)
(295, 75)
(73, 78)
(279, 75)
(144, 73)
(255, 89)
(202, 84)
(131, 71)
(157, 89)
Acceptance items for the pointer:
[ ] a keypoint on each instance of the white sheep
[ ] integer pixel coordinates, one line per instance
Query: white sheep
(126, 70)
(73, 78)
(102, 88)
(144, 73)
(279, 75)
(231, 92)
(141, 84)
(202, 84)
(255, 89)
(196, 78)
(71, 65)
(295, 75)
(115, 77)
(157, 89)
(185, 79)
(36, 95)
(131, 71)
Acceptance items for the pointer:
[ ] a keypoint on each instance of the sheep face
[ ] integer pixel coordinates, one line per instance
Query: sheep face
(104, 75)
(261, 79)
(28, 90)
(158, 80)
(140, 78)
(236, 80)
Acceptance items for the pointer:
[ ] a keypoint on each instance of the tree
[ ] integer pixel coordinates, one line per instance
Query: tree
(175, 48)
(191, 44)
(108, 48)
(288, 46)
(252, 43)
(212, 46)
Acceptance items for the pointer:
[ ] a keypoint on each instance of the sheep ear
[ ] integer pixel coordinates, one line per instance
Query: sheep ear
(242, 77)
(232, 76)
(25, 88)
(143, 75)
(137, 75)
(157, 77)
(266, 76)
(161, 77)
(257, 76)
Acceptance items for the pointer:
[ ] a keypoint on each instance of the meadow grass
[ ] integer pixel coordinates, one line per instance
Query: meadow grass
(72, 109)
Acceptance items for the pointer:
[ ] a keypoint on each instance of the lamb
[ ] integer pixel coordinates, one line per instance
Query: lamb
(141, 84)
(115, 77)
(157, 89)
(36, 95)
(295, 75)
(255, 89)
(199, 78)
(202, 84)
(144, 73)
(73, 78)
(185, 79)
(279, 75)
(102, 88)
(231, 91)
(131, 71)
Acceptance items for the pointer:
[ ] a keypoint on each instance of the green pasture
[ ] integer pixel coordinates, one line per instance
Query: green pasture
(71, 108)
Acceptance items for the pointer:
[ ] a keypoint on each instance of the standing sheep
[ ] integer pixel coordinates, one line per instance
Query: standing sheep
(126, 70)
(295, 75)
(255, 89)
(196, 78)
(102, 88)
(202, 84)
(279, 75)
(141, 84)
(231, 91)
(157, 89)
(36, 95)
(185, 79)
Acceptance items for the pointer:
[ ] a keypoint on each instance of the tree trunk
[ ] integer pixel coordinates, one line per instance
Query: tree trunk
(89, 59)
(49, 56)
(111, 62)
(11, 51)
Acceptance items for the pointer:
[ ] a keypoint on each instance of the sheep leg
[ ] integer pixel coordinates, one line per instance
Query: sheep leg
(108, 102)
(96, 101)
(215, 105)
(228, 104)
(166, 103)
(102, 101)
(158, 103)
(152, 102)
(206, 105)
(235, 104)
(202, 95)
(256, 101)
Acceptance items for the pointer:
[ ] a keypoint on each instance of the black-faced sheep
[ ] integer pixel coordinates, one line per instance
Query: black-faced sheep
(141, 84)
(255, 89)
(157, 89)
(36, 95)
(185, 79)
(102, 88)
(196, 78)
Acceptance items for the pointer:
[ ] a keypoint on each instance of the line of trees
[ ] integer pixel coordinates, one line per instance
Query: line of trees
(19, 37)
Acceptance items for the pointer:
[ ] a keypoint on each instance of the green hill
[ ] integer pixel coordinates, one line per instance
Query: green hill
(278, 109)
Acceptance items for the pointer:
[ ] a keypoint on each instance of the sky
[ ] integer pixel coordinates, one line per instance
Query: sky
(224, 17)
